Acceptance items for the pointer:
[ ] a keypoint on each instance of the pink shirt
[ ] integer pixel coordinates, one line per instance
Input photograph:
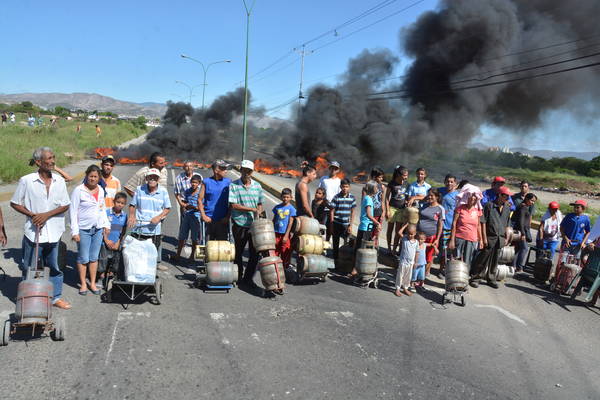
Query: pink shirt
(466, 225)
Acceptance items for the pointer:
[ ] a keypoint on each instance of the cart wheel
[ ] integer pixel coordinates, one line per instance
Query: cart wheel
(553, 286)
(463, 300)
(59, 330)
(159, 291)
(6, 333)
(323, 278)
(444, 298)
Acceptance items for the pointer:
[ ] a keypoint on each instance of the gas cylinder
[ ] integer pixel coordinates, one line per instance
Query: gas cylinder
(457, 275)
(263, 234)
(503, 272)
(311, 244)
(345, 258)
(34, 297)
(506, 255)
(220, 273)
(366, 263)
(542, 268)
(220, 250)
(308, 226)
(272, 273)
(314, 265)
(412, 215)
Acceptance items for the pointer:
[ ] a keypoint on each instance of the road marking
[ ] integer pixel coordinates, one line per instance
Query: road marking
(501, 310)
(123, 315)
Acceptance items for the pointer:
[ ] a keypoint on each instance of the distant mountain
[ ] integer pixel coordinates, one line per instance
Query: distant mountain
(547, 154)
(87, 101)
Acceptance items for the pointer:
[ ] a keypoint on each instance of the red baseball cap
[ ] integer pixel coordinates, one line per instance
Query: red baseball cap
(499, 179)
(504, 190)
(582, 203)
(554, 205)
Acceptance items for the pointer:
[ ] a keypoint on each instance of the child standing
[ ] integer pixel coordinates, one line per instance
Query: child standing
(406, 261)
(417, 191)
(341, 214)
(112, 238)
(283, 217)
(418, 274)
(190, 223)
(319, 206)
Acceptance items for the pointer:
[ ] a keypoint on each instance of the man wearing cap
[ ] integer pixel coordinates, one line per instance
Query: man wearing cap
(214, 202)
(157, 161)
(148, 208)
(494, 221)
(245, 200)
(112, 184)
(331, 184)
(575, 229)
(491, 194)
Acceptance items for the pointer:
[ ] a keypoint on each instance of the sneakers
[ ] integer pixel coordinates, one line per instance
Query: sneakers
(493, 284)
(474, 284)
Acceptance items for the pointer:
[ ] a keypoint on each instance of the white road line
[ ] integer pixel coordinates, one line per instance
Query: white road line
(112, 341)
(123, 315)
(501, 310)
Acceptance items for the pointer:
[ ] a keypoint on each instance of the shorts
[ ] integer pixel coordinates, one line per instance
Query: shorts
(397, 215)
(88, 247)
(430, 249)
(445, 239)
(190, 223)
(418, 273)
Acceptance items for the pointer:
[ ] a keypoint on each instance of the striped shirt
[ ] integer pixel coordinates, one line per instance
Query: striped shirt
(183, 182)
(343, 206)
(245, 196)
(147, 206)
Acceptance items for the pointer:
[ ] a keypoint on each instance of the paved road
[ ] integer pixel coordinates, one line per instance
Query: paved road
(324, 341)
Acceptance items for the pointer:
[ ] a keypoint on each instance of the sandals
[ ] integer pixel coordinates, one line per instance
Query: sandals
(83, 292)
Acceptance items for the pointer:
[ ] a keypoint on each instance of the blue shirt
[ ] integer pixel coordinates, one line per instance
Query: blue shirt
(147, 206)
(216, 197)
(575, 227)
(343, 206)
(117, 222)
(414, 189)
(489, 196)
(191, 199)
(421, 257)
(449, 204)
(365, 223)
(281, 217)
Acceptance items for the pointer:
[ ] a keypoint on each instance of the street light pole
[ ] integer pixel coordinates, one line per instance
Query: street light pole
(204, 70)
(245, 122)
(190, 88)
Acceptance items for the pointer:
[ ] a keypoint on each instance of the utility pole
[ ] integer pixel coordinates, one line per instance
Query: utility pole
(245, 122)
(300, 95)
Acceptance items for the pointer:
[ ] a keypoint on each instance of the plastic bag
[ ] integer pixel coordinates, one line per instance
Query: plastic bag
(139, 257)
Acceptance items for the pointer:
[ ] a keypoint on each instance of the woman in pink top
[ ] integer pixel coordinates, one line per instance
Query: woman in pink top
(466, 228)
(88, 221)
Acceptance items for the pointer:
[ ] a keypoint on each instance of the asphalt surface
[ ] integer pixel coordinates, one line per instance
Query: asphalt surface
(328, 340)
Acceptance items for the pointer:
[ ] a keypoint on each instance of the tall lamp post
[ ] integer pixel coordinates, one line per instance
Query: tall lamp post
(245, 124)
(190, 88)
(205, 70)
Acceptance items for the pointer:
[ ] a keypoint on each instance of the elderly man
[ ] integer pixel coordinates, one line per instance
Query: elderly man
(158, 162)
(43, 198)
(494, 221)
(112, 184)
(214, 202)
(148, 208)
(492, 193)
(245, 200)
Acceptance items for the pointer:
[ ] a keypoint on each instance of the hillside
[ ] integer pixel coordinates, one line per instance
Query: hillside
(87, 101)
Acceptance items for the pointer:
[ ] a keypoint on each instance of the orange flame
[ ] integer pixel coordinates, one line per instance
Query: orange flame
(264, 167)
(125, 160)
(179, 163)
(104, 151)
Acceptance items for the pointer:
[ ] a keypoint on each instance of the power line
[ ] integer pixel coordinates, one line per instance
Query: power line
(544, 74)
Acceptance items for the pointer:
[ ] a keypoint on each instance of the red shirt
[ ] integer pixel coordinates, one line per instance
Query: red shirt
(466, 225)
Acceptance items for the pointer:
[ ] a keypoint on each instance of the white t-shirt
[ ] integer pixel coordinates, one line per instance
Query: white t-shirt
(552, 227)
(408, 252)
(331, 186)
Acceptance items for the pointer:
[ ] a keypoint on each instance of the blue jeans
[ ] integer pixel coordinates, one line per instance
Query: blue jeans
(88, 248)
(189, 223)
(550, 245)
(522, 252)
(49, 256)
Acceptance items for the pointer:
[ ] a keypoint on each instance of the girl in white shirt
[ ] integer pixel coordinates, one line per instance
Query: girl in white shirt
(549, 231)
(88, 221)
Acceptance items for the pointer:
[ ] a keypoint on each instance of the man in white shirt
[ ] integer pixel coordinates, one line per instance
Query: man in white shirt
(43, 198)
(157, 161)
(331, 184)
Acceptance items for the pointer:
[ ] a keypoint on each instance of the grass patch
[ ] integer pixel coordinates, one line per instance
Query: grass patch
(19, 141)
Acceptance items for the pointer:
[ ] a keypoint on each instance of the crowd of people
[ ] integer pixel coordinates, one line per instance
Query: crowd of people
(458, 220)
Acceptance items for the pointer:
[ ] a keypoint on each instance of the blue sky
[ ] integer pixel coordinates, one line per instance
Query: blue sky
(130, 49)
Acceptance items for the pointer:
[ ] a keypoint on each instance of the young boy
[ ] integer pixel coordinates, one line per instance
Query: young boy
(341, 214)
(112, 237)
(407, 260)
(190, 222)
(418, 190)
(283, 218)
(575, 229)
